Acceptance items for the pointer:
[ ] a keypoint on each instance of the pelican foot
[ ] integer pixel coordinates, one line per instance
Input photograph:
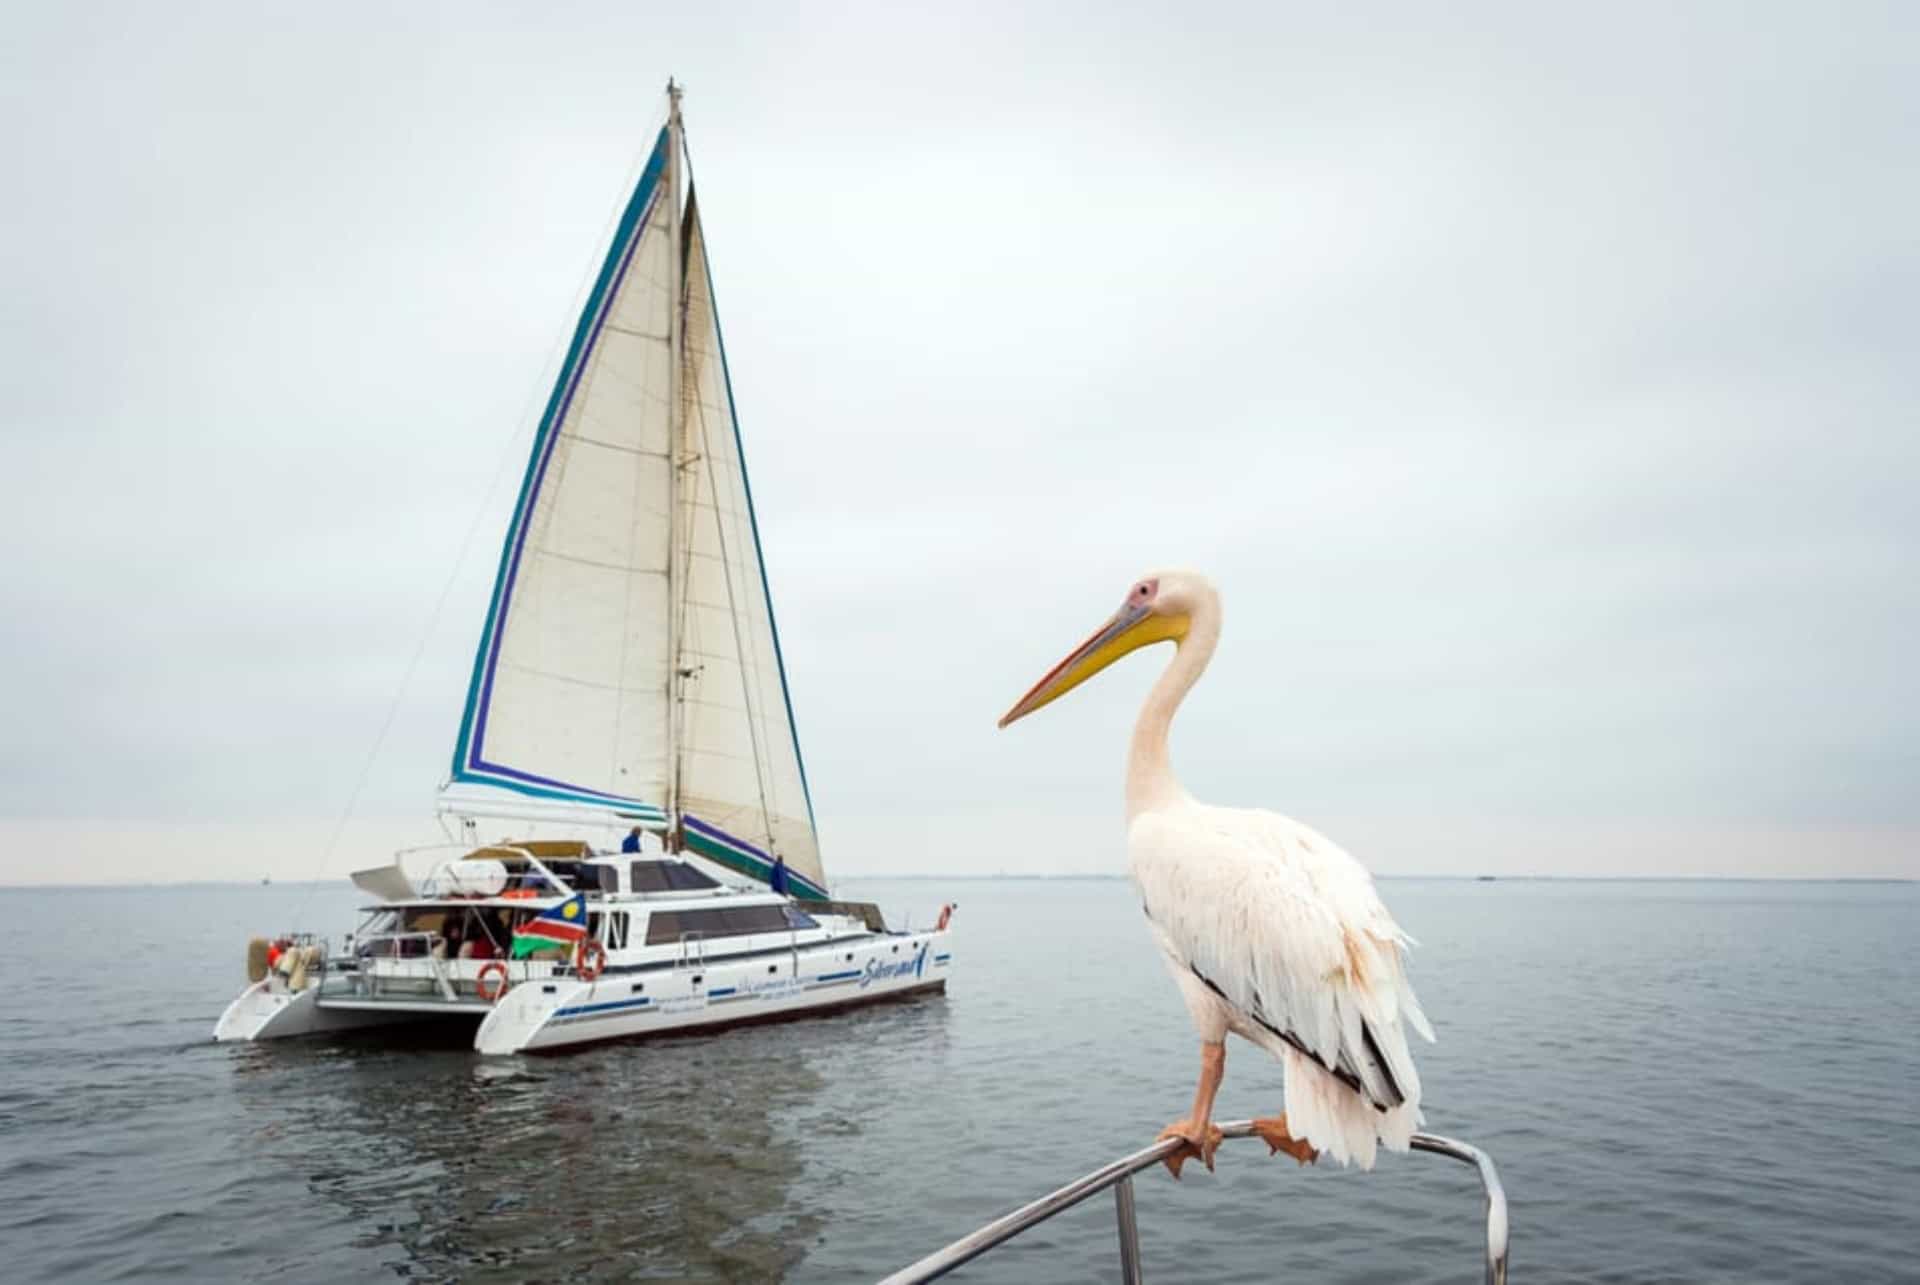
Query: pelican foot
(1273, 1131)
(1201, 1142)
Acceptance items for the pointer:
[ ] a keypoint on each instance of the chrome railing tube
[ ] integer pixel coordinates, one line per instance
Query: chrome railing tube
(1119, 1175)
(1496, 1196)
(1129, 1227)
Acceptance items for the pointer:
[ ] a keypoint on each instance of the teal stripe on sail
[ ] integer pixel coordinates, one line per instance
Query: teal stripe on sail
(614, 803)
(746, 863)
(632, 220)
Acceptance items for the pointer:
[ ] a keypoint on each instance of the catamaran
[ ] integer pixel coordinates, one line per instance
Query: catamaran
(628, 712)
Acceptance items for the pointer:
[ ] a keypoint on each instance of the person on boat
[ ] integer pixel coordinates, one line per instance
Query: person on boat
(479, 944)
(778, 879)
(632, 842)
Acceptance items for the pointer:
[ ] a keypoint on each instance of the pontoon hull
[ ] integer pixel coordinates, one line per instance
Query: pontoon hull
(549, 1013)
(266, 1011)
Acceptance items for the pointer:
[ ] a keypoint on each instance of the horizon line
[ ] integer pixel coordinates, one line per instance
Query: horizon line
(1009, 877)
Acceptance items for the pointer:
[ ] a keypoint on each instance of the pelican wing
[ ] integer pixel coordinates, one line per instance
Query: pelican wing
(1287, 930)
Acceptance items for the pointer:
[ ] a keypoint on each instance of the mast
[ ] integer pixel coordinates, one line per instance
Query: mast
(676, 437)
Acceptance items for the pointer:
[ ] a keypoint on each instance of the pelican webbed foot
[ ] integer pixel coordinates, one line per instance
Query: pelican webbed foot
(1201, 1142)
(1273, 1131)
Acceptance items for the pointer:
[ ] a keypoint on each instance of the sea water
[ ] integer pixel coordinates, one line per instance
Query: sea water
(1678, 1081)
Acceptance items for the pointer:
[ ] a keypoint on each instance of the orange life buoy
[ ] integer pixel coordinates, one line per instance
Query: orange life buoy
(494, 969)
(946, 913)
(590, 960)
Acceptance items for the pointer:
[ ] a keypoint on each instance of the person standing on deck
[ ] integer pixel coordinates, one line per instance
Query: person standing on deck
(632, 842)
(778, 879)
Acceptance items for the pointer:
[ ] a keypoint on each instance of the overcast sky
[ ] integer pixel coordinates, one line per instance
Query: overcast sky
(1538, 383)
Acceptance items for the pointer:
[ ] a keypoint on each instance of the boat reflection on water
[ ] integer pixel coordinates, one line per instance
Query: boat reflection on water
(672, 1159)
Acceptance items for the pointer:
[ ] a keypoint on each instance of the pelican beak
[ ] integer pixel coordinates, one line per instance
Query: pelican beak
(1131, 628)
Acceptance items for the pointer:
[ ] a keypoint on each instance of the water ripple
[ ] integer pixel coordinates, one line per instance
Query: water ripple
(1679, 1082)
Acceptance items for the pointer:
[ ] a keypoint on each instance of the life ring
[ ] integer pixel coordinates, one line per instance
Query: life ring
(491, 970)
(590, 960)
(946, 913)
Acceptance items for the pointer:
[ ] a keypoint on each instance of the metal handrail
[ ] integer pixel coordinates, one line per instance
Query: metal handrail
(1119, 1176)
(689, 960)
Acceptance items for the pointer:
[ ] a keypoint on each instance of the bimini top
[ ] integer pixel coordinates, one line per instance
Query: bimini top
(519, 849)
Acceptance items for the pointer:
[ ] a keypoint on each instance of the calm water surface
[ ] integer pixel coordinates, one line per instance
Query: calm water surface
(1679, 1081)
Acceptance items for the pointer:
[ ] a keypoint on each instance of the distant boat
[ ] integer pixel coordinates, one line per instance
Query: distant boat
(628, 682)
(265, 880)
(1486, 878)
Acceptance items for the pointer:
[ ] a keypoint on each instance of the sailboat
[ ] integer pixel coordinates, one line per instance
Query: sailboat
(628, 714)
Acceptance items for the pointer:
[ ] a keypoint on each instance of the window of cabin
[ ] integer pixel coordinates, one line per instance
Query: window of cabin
(668, 876)
(615, 937)
(667, 927)
(664, 929)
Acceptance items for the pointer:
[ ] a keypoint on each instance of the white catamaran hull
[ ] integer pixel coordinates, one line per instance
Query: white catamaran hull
(551, 1015)
(543, 1012)
(267, 1010)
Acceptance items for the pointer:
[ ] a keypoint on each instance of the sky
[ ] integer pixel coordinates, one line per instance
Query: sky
(1537, 383)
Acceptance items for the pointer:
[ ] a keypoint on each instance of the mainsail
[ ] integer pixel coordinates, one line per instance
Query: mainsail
(629, 659)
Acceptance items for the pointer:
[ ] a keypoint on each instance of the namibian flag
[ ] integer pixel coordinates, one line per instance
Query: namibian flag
(565, 925)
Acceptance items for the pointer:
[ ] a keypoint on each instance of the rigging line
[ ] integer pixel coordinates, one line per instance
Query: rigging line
(504, 453)
(691, 490)
(760, 767)
(686, 501)
(746, 505)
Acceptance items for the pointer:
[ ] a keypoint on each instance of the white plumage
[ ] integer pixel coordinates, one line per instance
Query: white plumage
(1288, 930)
(1271, 931)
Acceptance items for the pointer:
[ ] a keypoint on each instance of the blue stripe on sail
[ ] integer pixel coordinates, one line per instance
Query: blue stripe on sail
(468, 764)
(527, 783)
(624, 806)
(746, 486)
(760, 860)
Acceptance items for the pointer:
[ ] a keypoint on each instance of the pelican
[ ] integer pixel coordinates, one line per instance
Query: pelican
(1270, 930)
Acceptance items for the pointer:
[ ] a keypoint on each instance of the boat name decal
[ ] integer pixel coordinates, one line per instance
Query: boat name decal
(877, 971)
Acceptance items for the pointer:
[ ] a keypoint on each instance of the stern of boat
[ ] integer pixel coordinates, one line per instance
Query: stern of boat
(269, 1010)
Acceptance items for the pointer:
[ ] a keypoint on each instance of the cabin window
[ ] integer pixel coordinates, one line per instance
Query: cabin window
(668, 876)
(669, 926)
(615, 935)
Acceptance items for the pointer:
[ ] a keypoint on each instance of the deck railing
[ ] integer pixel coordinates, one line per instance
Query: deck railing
(1119, 1176)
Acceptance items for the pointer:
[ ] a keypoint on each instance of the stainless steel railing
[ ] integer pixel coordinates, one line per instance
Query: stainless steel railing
(1119, 1176)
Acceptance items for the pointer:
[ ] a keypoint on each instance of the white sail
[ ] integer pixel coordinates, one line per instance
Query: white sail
(569, 695)
(742, 790)
(630, 659)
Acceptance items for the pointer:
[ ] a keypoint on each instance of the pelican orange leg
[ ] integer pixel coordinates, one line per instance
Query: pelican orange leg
(1197, 1130)
(1273, 1131)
